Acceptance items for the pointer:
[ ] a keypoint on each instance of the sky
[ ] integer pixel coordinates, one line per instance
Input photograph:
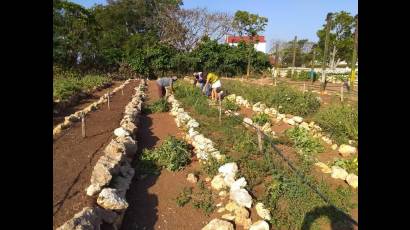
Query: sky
(286, 18)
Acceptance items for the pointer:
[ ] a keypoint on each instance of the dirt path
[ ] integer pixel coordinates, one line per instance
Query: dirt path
(152, 199)
(75, 157)
(58, 118)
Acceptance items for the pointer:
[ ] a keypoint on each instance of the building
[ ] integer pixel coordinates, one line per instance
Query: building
(260, 42)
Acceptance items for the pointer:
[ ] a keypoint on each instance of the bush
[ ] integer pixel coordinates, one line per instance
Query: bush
(284, 98)
(350, 165)
(303, 141)
(260, 118)
(63, 88)
(173, 154)
(339, 121)
(203, 199)
(158, 106)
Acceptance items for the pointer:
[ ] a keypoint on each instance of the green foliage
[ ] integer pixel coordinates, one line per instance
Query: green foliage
(303, 141)
(191, 96)
(261, 118)
(210, 167)
(350, 165)
(230, 105)
(184, 197)
(284, 98)
(301, 76)
(173, 154)
(203, 199)
(340, 121)
(69, 83)
(158, 106)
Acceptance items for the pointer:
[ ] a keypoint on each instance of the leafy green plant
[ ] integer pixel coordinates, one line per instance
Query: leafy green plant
(184, 197)
(350, 165)
(303, 141)
(203, 199)
(339, 121)
(173, 154)
(230, 105)
(158, 106)
(260, 118)
(210, 167)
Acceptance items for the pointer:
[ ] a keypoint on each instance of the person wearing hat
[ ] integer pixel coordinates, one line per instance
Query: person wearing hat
(165, 82)
(213, 80)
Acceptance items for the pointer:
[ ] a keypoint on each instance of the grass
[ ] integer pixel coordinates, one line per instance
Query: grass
(230, 105)
(173, 154)
(303, 141)
(350, 165)
(288, 197)
(158, 106)
(184, 197)
(69, 83)
(339, 121)
(286, 99)
(260, 118)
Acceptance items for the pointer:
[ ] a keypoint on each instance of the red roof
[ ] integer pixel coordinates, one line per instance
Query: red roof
(236, 39)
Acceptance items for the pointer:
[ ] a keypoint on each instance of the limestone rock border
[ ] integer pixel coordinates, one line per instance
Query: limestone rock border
(112, 173)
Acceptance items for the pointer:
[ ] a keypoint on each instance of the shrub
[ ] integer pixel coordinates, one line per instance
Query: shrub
(339, 121)
(230, 105)
(184, 197)
(203, 199)
(173, 154)
(260, 118)
(158, 106)
(303, 141)
(63, 88)
(350, 165)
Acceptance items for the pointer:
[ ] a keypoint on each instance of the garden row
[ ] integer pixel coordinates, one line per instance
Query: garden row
(270, 181)
(75, 117)
(112, 173)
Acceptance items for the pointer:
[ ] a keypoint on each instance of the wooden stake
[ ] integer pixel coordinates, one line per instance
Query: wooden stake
(220, 110)
(122, 91)
(108, 100)
(304, 87)
(259, 132)
(341, 93)
(83, 125)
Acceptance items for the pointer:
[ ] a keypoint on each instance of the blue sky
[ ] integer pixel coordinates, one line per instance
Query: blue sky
(287, 18)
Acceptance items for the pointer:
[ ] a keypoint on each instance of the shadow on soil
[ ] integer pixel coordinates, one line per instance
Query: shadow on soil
(142, 211)
(338, 219)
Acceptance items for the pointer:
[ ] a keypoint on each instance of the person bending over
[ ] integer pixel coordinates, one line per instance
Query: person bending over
(165, 82)
(213, 80)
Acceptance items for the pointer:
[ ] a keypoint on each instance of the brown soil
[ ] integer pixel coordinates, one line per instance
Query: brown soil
(151, 199)
(58, 118)
(75, 157)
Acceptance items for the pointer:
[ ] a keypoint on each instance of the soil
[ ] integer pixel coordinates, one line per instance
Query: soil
(59, 117)
(74, 157)
(151, 199)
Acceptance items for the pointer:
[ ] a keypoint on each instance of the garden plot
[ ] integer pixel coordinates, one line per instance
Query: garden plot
(74, 156)
(238, 144)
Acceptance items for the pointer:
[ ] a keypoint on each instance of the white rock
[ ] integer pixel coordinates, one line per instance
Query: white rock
(290, 122)
(228, 169)
(262, 211)
(191, 178)
(347, 150)
(93, 189)
(121, 132)
(217, 224)
(218, 182)
(229, 179)
(109, 199)
(242, 197)
(323, 167)
(259, 225)
(229, 217)
(247, 120)
(304, 125)
(221, 210)
(222, 194)
(334, 146)
(339, 173)
(238, 184)
(297, 119)
(352, 180)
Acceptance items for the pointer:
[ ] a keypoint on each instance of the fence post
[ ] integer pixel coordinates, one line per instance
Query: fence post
(122, 91)
(260, 145)
(83, 125)
(304, 87)
(220, 109)
(341, 92)
(108, 100)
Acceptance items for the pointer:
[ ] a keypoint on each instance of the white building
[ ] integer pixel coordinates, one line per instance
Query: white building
(260, 42)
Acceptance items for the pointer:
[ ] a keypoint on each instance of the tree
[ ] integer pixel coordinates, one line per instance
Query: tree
(249, 24)
(341, 39)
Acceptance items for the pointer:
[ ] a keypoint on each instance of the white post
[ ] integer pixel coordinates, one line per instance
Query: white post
(122, 91)
(108, 100)
(304, 87)
(220, 109)
(259, 132)
(341, 93)
(83, 125)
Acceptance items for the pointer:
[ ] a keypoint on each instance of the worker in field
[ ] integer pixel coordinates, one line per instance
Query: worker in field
(312, 75)
(213, 80)
(165, 82)
(199, 78)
